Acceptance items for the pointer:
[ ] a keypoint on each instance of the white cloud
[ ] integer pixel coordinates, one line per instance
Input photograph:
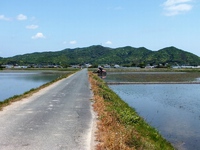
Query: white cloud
(108, 43)
(32, 26)
(72, 42)
(176, 7)
(21, 17)
(174, 2)
(2, 17)
(39, 35)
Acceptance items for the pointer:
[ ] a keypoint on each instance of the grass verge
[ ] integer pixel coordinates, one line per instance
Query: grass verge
(119, 126)
(31, 91)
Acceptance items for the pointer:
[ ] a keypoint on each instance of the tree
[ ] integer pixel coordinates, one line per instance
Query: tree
(1, 67)
(142, 65)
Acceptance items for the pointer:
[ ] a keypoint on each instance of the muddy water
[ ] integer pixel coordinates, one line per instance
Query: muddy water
(173, 109)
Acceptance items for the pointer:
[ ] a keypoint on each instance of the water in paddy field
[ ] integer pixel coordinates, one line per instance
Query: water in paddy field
(173, 109)
(16, 83)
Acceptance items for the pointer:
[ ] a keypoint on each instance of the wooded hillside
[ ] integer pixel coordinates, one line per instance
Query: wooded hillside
(104, 55)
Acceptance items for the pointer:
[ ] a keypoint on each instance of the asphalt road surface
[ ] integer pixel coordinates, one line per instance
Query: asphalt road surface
(58, 117)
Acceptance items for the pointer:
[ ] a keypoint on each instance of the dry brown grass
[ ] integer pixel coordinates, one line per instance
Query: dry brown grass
(111, 134)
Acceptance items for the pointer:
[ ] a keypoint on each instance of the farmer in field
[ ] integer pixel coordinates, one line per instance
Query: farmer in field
(101, 72)
(101, 69)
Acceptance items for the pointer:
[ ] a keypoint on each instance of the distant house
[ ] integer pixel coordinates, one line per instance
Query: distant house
(149, 67)
(20, 67)
(176, 67)
(116, 66)
(106, 66)
(8, 66)
(88, 65)
(185, 67)
(75, 66)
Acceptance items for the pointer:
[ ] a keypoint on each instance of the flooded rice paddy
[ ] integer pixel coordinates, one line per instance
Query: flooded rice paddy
(17, 82)
(173, 109)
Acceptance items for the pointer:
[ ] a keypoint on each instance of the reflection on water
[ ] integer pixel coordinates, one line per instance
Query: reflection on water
(16, 83)
(173, 109)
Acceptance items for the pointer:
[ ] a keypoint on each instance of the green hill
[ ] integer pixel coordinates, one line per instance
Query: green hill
(104, 55)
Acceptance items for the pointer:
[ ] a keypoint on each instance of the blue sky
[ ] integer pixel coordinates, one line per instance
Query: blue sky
(28, 26)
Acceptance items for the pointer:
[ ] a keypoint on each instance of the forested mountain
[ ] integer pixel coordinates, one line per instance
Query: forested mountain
(104, 55)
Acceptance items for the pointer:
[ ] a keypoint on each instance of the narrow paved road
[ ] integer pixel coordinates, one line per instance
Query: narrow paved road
(58, 117)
